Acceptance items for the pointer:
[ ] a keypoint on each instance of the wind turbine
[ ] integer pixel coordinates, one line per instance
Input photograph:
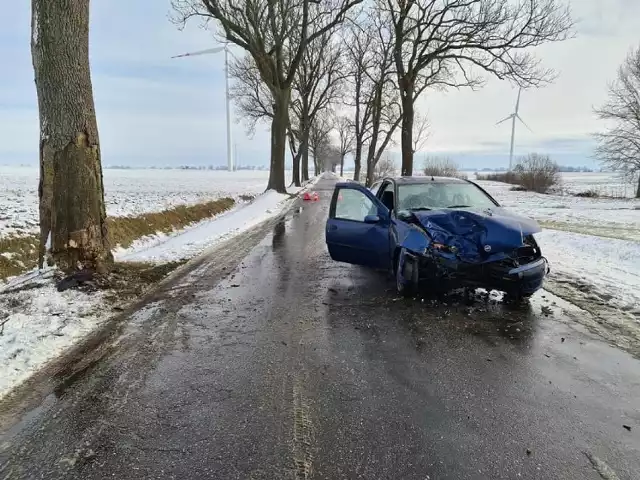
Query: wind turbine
(515, 115)
(225, 48)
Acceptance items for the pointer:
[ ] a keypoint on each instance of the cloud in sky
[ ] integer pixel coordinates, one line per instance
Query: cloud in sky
(156, 110)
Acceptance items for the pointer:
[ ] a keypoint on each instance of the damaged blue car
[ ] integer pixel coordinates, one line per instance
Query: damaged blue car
(439, 233)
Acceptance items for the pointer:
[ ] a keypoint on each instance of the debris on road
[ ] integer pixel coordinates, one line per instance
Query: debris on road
(74, 280)
(627, 427)
(310, 196)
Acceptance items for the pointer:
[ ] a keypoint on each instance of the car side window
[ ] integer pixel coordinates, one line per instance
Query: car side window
(353, 205)
(374, 188)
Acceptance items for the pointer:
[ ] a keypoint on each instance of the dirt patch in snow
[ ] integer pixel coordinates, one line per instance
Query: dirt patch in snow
(619, 325)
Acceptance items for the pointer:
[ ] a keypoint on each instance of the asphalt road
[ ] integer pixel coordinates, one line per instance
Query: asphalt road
(269, 361)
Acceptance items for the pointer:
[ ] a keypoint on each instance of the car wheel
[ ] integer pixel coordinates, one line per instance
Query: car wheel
(403, 288)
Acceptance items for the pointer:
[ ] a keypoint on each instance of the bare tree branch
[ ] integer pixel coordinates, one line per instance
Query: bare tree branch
(276, 34)
(421, 127)
(619, 147)
(450, 43)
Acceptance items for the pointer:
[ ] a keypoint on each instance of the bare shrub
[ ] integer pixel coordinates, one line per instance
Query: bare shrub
(442, 167)
(385, 167)
(537, 173)
(588, 194)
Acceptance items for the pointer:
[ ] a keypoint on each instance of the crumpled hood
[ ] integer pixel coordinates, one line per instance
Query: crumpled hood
(477, 233)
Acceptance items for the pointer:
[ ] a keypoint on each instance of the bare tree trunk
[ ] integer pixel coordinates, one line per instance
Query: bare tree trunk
(296, 155)
(371, 158)
(406, 92)
(304, 147)
(279, 126)
(71, 188)
(357, 160)
(45, 193)
(638, 189)
(305, 166)
(341, 163)
(296, 169)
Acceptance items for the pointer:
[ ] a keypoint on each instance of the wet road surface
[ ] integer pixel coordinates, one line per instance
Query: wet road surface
(269, 361)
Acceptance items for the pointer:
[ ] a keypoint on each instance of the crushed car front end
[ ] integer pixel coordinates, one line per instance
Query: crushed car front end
(490, 249)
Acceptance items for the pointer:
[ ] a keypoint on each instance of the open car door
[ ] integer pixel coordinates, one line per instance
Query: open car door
(357, 230)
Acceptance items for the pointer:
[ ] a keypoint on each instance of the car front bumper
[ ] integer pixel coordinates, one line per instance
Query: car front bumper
(522, 280)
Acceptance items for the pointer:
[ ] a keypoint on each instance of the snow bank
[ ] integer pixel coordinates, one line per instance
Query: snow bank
(593, 246)
(39, 323)
(197, 238)
(603, 269)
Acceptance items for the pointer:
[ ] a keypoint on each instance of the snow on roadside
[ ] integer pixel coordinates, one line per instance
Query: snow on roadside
(593, 247)
(195, 239)
(601, 269)
(39, 323)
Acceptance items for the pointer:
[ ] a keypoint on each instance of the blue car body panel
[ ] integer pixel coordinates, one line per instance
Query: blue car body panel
(358, 242)
(482, 245)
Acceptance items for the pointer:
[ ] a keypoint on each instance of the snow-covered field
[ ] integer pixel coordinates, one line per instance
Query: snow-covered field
(616, 218)
(127, 192)
(603, 183)
(606, 184)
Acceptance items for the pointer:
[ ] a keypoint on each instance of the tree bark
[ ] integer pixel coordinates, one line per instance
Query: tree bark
(279, 126)
(371, 156)
(305, 166)
(406, 93)
(71, 190)
(341, 163)
(304, 146)
(296, 169)
(638, 189)
(357, 160)
(296, 155)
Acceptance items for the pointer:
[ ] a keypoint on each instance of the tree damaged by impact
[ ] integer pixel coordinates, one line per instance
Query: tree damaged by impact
(71, 190)
(439, 233)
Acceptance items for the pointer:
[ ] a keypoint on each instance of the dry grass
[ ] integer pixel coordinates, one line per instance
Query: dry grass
(20, 253)
(124, 230)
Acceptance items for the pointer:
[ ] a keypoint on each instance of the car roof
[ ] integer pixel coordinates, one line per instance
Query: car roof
(425, 179)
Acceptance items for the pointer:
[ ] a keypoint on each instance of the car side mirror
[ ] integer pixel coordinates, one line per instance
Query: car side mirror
(371, 219)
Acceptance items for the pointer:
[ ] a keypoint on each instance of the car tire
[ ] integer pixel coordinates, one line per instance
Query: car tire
(403, 289)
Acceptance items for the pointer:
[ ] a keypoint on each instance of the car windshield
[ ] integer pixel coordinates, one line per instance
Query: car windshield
(429, 196)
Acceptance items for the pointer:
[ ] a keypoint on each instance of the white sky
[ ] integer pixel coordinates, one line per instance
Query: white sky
(153, 110)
